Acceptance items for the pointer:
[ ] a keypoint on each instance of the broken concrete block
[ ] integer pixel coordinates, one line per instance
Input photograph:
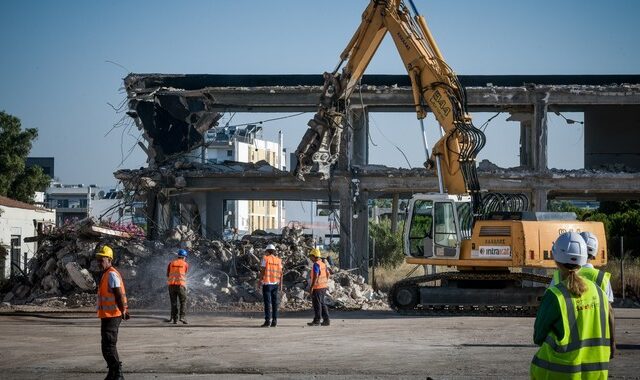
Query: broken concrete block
(80, 276)
(8, 297)
(50, 265)
(50, 283)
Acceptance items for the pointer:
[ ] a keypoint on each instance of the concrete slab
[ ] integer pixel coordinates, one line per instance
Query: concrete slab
(371, 345)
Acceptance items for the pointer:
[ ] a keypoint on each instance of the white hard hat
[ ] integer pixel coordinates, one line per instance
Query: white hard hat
(570, 248)
(270, 247)
(592, 243)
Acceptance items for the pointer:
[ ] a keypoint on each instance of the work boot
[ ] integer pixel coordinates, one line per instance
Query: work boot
(169, 320)
(265, 324)
(274, 323)
(325, 323)
(314, 323)
(175, 321)
(184, 321)
(117, 374)
(112, 369)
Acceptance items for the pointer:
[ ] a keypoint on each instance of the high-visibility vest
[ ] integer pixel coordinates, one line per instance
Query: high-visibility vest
(272, 270)
(323, 277)
(599, 277)
(583, 351)
(106, 305)
(178, 272)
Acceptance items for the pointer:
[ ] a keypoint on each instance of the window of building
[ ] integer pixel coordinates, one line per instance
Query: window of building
(229, 153)
(15, 254)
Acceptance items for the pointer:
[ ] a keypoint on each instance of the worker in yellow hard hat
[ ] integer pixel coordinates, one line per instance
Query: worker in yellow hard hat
(318, 288)
(112, 309)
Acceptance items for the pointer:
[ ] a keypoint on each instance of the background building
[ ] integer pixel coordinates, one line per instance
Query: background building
(18, 221)
(242, 145)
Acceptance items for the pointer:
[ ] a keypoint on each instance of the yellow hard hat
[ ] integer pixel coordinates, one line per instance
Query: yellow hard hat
(315, 253)
(105, 251)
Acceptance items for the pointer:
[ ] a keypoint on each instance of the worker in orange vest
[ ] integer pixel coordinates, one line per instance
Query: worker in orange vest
(177, 282)
(271, 282)
(318, 287)
(112, 309)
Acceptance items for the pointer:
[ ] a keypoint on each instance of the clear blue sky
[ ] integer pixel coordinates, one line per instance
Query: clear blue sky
(55, 76)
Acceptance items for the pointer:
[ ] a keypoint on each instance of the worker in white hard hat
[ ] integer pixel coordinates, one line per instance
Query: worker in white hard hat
(112, 309)
(600, 277)
(571, 325)
(271, 282)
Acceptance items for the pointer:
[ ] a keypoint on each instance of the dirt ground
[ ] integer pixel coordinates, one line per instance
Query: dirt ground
(361, 345)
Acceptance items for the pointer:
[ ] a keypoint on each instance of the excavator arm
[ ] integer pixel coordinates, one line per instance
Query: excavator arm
(435, 86)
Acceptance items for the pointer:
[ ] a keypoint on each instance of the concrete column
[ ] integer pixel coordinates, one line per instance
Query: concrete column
(162, 214)
(539, 200)
(200, 200)
(360, 228)
(539, 133)
(212, 224)
(394, 213)
(346, 217)
(359, 119)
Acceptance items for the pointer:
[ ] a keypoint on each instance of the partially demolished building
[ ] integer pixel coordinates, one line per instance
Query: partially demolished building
(174, 112)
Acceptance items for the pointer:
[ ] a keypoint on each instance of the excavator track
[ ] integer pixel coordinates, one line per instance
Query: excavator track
(404, 296)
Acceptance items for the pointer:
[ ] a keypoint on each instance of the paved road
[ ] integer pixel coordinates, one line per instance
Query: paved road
(360, 345)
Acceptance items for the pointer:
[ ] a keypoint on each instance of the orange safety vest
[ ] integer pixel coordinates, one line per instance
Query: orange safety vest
(323, 277)
(272, 270)
(107, 306)
(178, 272)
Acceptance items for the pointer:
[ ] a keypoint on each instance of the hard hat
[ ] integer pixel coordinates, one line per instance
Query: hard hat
(570, 248)
(105, 251)
(592, 243)
(270, 247)
(315, 253)
(182, 253)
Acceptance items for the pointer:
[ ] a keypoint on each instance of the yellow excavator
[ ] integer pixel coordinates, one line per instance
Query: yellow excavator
(483, 247)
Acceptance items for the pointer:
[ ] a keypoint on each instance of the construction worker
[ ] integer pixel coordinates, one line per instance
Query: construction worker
(177, 282)
(318, 287)
(271, 282)
(112, 309)
(571, 325)
(600, 277)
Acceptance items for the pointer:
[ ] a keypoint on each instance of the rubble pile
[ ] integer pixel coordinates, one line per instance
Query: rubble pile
(222, 274)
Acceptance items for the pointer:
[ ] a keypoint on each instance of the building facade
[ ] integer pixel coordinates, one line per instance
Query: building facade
(243, 145)
(18, 221)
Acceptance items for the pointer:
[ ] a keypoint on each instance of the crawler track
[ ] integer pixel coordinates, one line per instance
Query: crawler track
(412, 285)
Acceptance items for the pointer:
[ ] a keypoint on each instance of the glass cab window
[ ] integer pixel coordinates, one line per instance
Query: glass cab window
(420, 226)
(445, 225)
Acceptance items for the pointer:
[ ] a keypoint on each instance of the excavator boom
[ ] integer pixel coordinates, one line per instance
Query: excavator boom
(435, 87)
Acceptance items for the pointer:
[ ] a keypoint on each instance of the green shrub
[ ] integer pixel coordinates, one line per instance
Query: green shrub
(388, 245)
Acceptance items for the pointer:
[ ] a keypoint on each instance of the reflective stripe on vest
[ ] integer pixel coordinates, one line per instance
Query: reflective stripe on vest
(272, 270)
(572, 354)
(323, 278)
(177, 273)
(106, 306)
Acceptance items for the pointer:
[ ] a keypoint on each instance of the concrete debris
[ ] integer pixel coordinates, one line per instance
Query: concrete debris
(222, 275)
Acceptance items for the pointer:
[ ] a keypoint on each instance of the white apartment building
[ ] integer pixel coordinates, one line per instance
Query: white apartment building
(18, 221)
(242, 145)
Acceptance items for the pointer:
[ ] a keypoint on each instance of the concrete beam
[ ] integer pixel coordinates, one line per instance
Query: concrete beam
(399, 99)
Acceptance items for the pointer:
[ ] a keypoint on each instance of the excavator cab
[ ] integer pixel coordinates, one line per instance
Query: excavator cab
(436, 225)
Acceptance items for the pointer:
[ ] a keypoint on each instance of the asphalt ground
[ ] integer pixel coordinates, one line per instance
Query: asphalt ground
(357, 345)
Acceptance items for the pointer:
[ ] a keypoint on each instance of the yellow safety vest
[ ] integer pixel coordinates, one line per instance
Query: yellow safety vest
(583, 351)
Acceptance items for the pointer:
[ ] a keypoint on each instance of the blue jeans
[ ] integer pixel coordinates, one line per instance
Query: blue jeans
(270, 298)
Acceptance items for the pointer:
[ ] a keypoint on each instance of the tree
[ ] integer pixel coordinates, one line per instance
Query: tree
(16, 181)
(388, 247)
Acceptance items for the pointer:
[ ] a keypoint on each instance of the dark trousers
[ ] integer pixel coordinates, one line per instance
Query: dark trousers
(109, 334)
(178, 293)
(270, 298)
(319, 306)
